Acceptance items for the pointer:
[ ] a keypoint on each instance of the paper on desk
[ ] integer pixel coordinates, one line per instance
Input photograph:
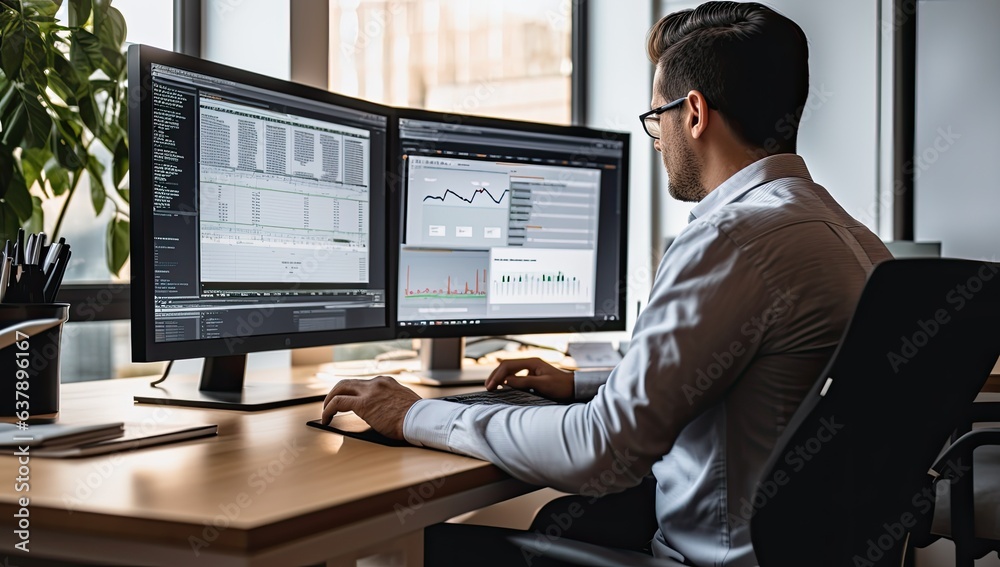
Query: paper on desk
(594, 355)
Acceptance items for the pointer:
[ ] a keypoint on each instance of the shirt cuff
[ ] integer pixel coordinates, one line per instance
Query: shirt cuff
(586, 383)
(429, 422)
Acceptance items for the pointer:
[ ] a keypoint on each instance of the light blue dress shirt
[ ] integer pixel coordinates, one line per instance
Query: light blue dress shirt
(746, 309)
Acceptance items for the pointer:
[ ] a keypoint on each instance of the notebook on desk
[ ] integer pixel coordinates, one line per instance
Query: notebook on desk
(136, 436)
(57, 434)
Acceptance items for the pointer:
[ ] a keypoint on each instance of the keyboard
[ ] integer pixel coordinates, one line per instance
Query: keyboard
(506, 396)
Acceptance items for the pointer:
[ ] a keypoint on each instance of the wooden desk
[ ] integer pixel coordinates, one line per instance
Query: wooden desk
(267, 491)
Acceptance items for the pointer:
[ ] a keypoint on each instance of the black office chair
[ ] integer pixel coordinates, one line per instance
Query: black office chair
(967, 508)
(909, 365)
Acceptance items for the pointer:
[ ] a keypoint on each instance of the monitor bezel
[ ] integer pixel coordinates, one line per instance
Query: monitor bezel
(144, 347)
(509, 327)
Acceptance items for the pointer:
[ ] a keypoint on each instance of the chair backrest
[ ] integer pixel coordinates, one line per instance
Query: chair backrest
(848, 477)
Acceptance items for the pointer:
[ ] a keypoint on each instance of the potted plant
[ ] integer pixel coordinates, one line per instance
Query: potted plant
(63, 115)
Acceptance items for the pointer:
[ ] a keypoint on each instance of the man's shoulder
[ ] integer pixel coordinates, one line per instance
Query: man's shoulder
(776, 209)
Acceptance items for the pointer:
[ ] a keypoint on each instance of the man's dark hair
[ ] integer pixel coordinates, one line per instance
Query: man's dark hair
(750, 62)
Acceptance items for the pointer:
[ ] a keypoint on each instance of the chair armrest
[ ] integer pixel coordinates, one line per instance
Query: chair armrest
(587, 554)
(962, 448)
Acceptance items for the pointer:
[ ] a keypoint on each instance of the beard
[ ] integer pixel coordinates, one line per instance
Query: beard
(683, 171)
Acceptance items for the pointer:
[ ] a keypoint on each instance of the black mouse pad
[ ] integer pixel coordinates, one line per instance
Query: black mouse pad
(350, 425)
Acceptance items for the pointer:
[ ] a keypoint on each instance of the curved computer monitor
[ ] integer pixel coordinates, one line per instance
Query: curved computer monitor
(508, 227)
(259, 221)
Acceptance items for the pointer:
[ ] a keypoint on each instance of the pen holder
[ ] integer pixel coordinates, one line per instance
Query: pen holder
(30, 345)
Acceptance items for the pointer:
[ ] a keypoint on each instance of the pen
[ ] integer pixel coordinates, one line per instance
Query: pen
(29, 250)
(43, 254)
(19, 247)
(55, 278)
(36, 251)
(50, 258)
(5, 275)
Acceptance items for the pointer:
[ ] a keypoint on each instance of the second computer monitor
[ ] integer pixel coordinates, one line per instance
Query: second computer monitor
(509, 227)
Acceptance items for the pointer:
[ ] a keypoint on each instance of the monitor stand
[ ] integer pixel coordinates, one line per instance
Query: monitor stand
(441, 363)
(221, 387)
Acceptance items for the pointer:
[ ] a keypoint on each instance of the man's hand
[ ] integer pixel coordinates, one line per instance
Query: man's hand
(542, 377)
(381, 401)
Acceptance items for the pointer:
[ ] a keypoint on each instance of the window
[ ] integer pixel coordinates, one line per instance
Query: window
(510, 59)
(149, 22)
(92, 351)
(248, 34)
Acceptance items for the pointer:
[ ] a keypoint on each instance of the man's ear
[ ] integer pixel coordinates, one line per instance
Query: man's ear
(699, 116)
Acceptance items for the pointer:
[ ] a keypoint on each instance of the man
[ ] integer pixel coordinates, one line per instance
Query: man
(746, 309)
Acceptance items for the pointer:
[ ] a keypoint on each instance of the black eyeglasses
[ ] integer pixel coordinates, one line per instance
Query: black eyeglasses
(651, 120)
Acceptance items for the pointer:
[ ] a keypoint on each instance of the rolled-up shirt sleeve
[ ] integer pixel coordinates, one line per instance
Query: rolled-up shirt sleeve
(705, 293)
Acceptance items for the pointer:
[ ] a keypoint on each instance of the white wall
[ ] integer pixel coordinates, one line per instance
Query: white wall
(958, 127)
(837, 136)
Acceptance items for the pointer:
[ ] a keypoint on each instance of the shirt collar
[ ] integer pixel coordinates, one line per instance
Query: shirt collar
(750, 177)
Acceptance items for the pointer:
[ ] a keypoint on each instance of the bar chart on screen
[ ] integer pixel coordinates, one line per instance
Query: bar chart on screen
(441, 284)
(541, 276)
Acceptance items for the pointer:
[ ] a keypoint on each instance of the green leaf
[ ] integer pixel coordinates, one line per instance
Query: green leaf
(68, 79)
(112, 61)
(120, 164)
(17, 196)
(85, 52)
(12, 49)
(33, 164)
(90, 114)
(9, 223)
(8, 97)
(98, 196)
(59, 86)
(123, 113)
(36, 223)
(6, 17)
(45, 8)
(100, 12)
(117, 244)
(15, 126)
(79, 12)
(7, 168)
(66, 151)
(39, 121)
(112, 28)
(35, 58)
(57, 178)
(14, 5)
(62, 114)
